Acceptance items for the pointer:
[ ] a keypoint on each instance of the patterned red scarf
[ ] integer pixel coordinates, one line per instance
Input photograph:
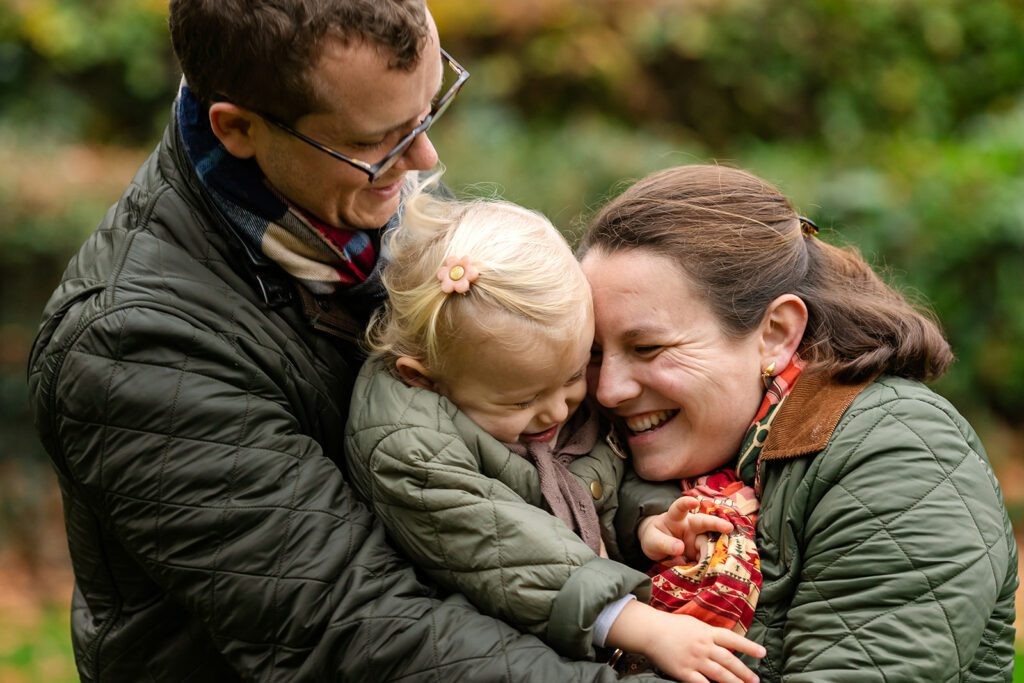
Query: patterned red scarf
(722, 588)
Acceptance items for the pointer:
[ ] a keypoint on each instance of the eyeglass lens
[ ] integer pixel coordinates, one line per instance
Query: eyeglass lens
(446, 95)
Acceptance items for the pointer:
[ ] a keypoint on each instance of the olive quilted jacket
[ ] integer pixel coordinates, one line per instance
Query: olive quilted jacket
(468, 511)
(193, 405)
(886, 550)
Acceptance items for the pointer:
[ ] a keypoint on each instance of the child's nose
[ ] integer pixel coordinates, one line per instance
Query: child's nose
(555, 411)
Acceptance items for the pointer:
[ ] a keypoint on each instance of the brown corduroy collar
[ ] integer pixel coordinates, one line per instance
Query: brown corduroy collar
(808, 416)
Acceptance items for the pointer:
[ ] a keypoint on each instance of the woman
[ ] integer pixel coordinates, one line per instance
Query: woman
(728, 335)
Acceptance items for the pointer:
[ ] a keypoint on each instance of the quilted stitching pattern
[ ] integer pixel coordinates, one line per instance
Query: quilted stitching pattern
(196, 435)
(888, 556)
(430, 475)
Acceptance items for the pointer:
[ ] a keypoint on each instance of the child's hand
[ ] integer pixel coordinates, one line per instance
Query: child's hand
(666, 537)
(683, 647)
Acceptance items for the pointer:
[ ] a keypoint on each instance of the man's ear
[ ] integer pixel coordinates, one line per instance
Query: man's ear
(235, 127)
(782, 330)
(414, 373)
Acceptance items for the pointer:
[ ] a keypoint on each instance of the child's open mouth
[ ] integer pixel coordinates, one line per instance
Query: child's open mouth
(649, 421)
(545, 436)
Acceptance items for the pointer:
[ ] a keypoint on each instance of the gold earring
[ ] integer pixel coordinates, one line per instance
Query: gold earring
(766, 375)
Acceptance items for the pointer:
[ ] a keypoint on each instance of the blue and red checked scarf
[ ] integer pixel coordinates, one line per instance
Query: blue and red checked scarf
(722, 587)
(323, 258)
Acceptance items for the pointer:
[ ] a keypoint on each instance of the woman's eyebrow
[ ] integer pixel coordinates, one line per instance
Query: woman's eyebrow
(636, 332)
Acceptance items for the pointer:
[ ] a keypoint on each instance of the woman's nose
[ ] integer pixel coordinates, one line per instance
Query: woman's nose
(615, 384)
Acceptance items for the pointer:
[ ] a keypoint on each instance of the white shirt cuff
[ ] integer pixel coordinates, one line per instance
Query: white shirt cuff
(607, 617)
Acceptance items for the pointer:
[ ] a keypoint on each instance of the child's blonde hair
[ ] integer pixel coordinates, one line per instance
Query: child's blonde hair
(527, 272)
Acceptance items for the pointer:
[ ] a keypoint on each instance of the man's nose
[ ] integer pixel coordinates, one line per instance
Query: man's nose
(421, 155)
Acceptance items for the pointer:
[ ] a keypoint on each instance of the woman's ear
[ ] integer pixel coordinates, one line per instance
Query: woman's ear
(782, 330)
(235, 128)
(414, 373)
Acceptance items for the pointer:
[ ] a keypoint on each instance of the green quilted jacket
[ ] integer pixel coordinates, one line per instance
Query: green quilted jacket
(886, 550)
(193, 403)
(468, 512)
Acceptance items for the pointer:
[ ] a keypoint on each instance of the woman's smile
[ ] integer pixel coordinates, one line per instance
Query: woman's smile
(647, 422)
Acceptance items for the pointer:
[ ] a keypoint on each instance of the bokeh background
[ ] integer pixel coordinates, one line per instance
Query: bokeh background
(896, 124)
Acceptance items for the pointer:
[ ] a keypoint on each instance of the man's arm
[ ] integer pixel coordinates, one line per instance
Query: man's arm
(189, 455)
(639, 499)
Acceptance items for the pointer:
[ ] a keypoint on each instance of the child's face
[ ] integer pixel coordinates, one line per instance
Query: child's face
(521, 396)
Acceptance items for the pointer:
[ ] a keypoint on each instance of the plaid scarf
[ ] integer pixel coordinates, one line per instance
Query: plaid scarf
(723, 586)
(325, 259)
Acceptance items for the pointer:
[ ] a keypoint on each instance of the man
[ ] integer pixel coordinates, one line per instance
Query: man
(191, 377)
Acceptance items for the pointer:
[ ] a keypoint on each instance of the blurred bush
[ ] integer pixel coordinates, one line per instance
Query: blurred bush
(728, 71)
(85, 69)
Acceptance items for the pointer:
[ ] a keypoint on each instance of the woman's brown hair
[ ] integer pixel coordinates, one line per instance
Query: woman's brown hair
(740, 243)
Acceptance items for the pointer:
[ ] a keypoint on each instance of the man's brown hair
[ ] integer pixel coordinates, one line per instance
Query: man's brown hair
(740, 243)
(260, 53)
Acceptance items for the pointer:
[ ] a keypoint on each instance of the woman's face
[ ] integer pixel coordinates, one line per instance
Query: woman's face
(684, 393)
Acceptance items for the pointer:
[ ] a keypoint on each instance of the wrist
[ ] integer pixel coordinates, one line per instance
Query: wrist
(607, 617)
(633, 628)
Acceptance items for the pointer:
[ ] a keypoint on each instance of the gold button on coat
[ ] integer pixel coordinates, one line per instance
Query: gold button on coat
(596, 489)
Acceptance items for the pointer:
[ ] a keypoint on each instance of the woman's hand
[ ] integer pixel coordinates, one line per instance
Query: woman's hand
(683, 647)
(671, 535)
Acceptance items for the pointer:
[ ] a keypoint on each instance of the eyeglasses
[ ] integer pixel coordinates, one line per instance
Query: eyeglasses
(376, 170)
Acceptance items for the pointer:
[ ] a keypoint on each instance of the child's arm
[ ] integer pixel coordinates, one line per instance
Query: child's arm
(673, 534)
(683, 647)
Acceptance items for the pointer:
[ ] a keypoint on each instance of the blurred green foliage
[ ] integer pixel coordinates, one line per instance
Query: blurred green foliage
(898, 122)
(729, 71)
(95, 69)
(37, 647)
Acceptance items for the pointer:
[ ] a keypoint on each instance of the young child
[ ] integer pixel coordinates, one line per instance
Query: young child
(469, 422)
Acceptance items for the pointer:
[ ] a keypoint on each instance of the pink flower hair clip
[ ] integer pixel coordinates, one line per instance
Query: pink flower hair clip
(457, 274)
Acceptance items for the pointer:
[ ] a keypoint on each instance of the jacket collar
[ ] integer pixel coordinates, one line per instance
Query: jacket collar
(809, 415)
(267, 279)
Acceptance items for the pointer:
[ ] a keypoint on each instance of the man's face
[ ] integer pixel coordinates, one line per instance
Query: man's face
(370, 109)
